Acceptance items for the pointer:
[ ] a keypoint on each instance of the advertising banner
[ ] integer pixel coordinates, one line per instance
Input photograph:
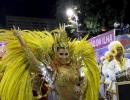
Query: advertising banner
(125, 41)
(102, 40)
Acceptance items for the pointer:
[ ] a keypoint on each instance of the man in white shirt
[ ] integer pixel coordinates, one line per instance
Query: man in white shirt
(119, 63)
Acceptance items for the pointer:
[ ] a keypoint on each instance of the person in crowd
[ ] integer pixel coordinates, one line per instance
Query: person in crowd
(107, 58)
(119, 63)
(101, 89)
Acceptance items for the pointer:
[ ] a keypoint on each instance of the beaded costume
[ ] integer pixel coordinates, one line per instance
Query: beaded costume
(37, 56)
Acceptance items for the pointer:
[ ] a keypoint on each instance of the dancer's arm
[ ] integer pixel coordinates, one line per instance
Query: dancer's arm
(30, 56)
(33, 60)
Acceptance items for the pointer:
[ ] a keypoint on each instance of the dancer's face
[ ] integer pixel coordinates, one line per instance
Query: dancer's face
(63, 54)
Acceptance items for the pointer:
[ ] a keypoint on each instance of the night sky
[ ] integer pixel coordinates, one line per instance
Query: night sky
(29, 8)
(39, 8)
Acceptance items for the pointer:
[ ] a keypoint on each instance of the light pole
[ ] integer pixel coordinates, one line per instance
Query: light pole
(69, 12)
(73, 19)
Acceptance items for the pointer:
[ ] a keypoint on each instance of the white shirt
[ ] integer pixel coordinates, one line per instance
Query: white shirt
(114, 67)
(105, 68)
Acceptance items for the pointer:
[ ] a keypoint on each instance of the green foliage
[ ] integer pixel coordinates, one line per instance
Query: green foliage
(95, 14)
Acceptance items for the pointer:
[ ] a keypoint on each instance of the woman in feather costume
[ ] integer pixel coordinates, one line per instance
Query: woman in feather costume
(56, 57)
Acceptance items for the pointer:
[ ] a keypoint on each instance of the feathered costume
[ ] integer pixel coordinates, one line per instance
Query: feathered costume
(16, 66)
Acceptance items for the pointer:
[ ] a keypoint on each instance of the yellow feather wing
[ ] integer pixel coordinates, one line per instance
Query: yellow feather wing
(16, 83)
(82, 51)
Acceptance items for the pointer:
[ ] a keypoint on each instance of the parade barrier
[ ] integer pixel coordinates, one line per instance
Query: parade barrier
(123, 90)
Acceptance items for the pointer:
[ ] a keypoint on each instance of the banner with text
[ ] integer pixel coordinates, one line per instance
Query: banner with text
(102, 40)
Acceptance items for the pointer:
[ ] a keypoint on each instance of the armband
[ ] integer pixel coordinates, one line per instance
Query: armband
(47, 73)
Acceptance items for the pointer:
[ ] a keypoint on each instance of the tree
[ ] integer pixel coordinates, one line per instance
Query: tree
(95, 14)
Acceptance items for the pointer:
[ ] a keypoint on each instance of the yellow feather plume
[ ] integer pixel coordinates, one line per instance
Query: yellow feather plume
(82, 51)
(15, 83)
